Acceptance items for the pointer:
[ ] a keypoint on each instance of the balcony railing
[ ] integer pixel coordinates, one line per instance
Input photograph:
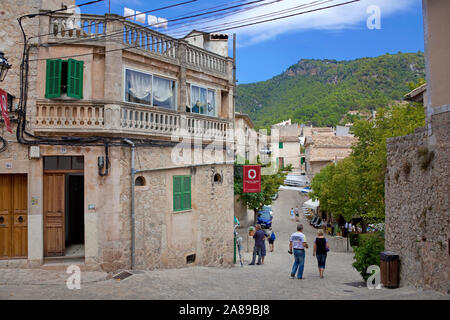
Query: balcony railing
(67, 27)
(89, 117)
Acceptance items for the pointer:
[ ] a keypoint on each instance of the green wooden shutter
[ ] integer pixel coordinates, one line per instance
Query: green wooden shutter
(181, 193)
(177, 193)
(186, 193)
(280, 145)
(75, 79)
(53, 79)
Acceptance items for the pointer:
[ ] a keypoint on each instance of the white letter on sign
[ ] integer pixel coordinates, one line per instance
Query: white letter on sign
(254, 173)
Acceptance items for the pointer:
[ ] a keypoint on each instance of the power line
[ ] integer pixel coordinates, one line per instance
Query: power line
(214, 31)
(121, 32)
(296, 8)
(32, 15)
(170, 20)
(153, 10)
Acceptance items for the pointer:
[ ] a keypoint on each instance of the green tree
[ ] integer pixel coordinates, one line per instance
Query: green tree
(270, 185)
(354, 187)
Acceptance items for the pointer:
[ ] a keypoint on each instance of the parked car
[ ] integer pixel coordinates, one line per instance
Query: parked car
(268, 208)
(318, 223)
(306, 190)
(275, 196)
(264, 218)
(296, 180)
(313, 220)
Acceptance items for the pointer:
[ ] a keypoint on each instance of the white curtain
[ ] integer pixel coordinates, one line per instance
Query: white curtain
(199, 100)
(139, 85)
(163, 92)
(211, 109)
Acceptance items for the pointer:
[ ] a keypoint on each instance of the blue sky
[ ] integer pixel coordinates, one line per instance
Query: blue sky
(267, 49)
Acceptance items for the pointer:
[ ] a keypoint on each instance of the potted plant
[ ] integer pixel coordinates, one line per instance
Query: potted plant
(338, 231)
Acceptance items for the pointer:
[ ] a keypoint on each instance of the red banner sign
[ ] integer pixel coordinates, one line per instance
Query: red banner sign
(4, 107)
(252, 179)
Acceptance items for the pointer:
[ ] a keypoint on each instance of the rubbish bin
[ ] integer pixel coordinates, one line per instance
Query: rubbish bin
(389, 269)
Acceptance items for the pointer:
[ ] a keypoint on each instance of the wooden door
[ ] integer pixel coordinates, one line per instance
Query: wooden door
(5, 213)
(20, 217)
(13, 216)
(54, 239)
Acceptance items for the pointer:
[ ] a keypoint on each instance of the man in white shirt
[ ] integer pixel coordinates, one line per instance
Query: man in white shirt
(297, 245)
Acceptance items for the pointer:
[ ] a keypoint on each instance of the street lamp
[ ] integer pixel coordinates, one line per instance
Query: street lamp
(4, 66)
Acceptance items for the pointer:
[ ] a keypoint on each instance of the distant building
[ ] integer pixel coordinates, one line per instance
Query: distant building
(343, 131)
(289, 144)
(323, 149)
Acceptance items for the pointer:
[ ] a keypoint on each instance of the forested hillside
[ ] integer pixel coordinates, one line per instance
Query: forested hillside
(321, 92)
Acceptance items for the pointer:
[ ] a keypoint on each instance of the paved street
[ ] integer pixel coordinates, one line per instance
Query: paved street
(269, 281)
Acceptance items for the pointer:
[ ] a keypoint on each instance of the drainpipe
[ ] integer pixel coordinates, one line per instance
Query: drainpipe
(133, 172)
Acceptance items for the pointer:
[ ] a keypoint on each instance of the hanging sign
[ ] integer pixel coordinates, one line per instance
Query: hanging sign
(4, 107)
(252, 178)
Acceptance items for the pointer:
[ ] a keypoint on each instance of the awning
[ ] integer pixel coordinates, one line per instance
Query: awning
(311, 204)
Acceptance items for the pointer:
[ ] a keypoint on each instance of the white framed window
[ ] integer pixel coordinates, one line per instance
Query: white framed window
(149, 89)
(202, 100)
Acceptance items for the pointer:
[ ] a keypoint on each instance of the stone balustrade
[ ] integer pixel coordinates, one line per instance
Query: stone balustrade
(89, 27)
(144, 38)
(65, 26)
(125, 120)
(51, 116)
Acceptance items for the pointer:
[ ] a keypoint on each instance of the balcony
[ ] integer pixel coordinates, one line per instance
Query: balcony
(87, 118)
(85, 28)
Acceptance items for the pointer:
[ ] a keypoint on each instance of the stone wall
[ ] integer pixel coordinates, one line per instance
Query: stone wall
(165, 238)
(416, 196)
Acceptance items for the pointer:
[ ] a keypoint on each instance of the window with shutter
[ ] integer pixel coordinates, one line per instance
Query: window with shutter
(75, 79)
(181, 193)
(64, 77)
(53, 78)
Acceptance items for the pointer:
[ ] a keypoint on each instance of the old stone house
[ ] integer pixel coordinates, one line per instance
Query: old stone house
(417, 179)
(121, 160)
(323, 149)
(288, 151)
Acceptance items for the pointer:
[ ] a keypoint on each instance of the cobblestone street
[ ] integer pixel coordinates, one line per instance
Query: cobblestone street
(269, 281)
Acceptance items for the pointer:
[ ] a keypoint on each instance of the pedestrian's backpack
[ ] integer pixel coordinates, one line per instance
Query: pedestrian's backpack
(272, 236)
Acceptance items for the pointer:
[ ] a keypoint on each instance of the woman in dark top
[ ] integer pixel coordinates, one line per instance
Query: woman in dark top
(320, 251)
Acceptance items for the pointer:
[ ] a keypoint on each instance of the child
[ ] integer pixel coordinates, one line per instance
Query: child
(292, 214)
(271, 240)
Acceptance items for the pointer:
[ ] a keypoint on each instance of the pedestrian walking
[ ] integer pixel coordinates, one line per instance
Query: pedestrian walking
(271, 238)
(259, 237)
(349, 228)
(292, 214)
(320, 250)
(297, 217)
(297, 245)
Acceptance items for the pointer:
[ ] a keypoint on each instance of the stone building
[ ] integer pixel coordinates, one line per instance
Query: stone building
(289, 144)
(249, 146)
(121, 160)
(417, 179)
(323, 149)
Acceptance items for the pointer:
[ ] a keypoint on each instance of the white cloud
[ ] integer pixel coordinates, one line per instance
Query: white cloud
(352, 15)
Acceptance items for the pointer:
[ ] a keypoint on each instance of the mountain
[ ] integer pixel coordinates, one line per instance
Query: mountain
(321, 92)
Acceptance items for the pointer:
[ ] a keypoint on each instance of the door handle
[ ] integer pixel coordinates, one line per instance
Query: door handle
(20, 219)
